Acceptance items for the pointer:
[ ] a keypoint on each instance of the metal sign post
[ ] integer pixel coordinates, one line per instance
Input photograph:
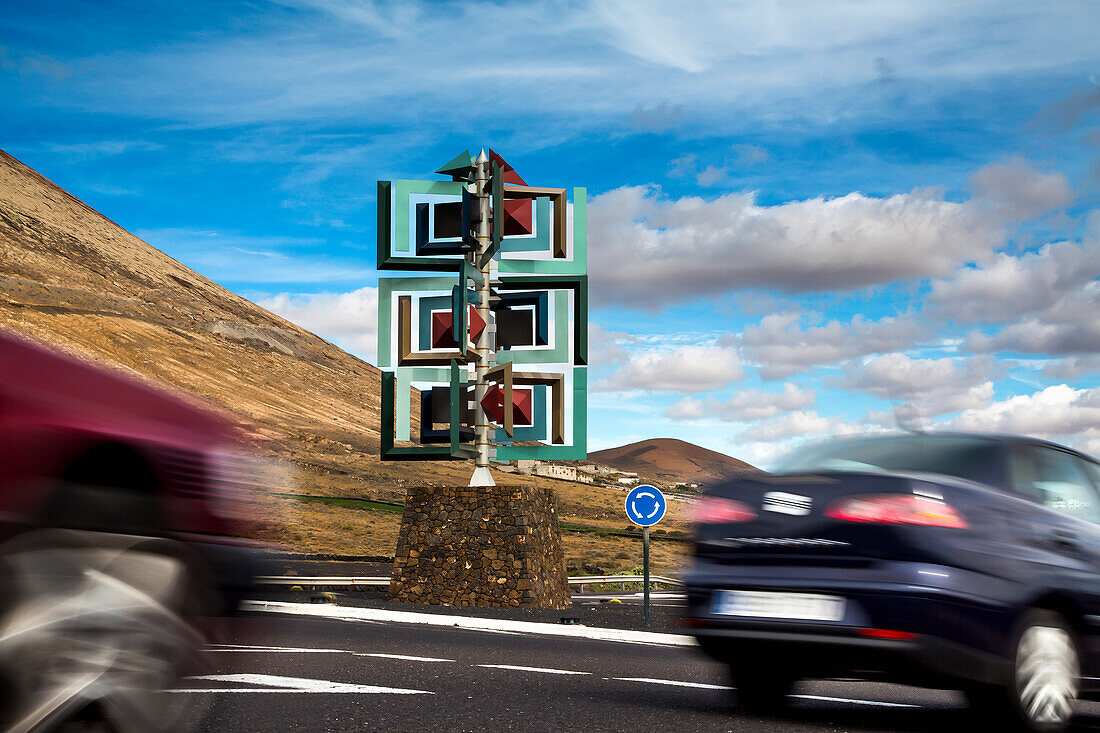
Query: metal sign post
(645, 576)
(645, 506)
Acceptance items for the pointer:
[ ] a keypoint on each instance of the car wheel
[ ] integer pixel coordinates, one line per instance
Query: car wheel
(1045, 679)
(93, 627)
(762, 689)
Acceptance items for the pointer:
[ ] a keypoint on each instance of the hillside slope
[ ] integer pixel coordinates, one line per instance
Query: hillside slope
(671, 460)
(73, 278)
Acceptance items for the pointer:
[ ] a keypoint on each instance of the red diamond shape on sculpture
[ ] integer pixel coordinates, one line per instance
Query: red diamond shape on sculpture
(442, 334)
(477, 324)
(517, 213)
(521, 405)
(522, 400)
(508, 172)
(493, 402)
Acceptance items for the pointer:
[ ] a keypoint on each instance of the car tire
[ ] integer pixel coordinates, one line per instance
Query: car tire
(93, 626)
(1045, 677)
(762, 689)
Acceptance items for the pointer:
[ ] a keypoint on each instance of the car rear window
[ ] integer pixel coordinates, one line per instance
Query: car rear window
(974, 459)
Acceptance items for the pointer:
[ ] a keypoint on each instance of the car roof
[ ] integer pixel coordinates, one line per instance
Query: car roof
(1007, 438)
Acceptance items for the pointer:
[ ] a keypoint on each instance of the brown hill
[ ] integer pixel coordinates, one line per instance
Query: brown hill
(669, 460)
(75, 279)
(71, 277)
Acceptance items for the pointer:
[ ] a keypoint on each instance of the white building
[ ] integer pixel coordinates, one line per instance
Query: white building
(550, 470)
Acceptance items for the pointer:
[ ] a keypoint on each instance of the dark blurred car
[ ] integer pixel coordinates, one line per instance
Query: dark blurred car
(942, 560)
(123, 513)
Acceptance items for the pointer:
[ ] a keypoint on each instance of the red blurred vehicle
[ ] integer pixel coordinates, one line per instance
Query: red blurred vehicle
(123, 513)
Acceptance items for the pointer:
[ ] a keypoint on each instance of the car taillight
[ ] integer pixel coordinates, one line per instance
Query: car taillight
(896, 509)
(713, 510)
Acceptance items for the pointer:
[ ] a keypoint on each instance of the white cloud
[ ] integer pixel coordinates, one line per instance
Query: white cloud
(782, 347)
(763, 454)
(1018, 192)
(650, 251)
(1073, 367)
(1059, 413)
(404, 63)
(605, 347)
(349, 320)
(711, 176)
(1045, 301)
(102, 148)
(659, 118)
(1069, 326)
(1016, 285)
(925, 387)
(745, 406)
(686, 369)
(229, 257)
(749, 155)
(800, 424)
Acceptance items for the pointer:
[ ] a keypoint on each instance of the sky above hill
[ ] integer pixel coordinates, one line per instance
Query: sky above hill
(805, 218)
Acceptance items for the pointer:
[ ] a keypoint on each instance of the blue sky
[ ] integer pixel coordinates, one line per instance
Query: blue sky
(805, 218)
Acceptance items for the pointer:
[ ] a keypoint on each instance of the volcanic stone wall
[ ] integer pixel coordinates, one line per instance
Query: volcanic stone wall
(480, 546)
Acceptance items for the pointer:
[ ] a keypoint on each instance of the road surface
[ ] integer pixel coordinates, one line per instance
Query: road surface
(288, 673)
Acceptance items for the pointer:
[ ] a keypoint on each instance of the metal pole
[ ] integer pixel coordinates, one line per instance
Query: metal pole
(482, 476)
(645, 574)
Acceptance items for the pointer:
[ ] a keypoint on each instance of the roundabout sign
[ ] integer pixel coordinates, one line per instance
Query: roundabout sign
(645, 505)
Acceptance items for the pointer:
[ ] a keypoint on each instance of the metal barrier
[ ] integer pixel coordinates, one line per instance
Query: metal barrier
(323, 580)
(622, 580)
(311, 582)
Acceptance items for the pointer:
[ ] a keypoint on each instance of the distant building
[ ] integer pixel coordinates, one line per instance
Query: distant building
(565, 473)
(551, 470)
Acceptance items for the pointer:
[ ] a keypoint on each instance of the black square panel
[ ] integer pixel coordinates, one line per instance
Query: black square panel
(515, 328)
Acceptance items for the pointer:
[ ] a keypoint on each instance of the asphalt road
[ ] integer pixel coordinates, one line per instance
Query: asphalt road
(286, 673)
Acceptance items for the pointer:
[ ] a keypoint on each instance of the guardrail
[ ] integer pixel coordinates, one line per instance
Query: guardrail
(325, 580)
(384, 580)
(654, 580)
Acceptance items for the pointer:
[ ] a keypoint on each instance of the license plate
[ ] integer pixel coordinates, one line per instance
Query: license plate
(787, 606)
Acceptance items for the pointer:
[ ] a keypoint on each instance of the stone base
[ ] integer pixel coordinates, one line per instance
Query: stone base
(480, 546)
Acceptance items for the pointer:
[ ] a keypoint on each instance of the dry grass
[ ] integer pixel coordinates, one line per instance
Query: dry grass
(323, 528)
(75, 279)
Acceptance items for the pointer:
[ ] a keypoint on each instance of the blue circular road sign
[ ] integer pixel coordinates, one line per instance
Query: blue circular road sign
(645, 505)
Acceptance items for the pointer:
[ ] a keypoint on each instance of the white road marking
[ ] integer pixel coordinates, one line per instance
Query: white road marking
(851, 701)
(531, 669)
(238, 690)
(220, 648)
(294, 684)
(404, 657)
(468, 622)
(676, 683)
(822, 698)
(662, 594)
